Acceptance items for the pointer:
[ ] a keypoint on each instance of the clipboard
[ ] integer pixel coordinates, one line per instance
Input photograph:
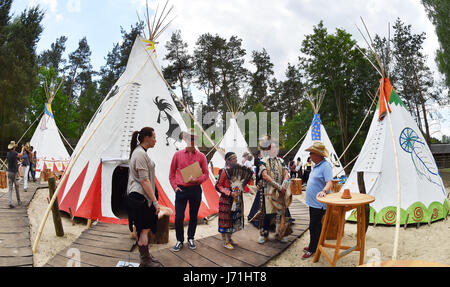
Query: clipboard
(193, 170)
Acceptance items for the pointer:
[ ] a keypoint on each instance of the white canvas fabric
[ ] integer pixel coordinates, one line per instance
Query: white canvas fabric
(308, 141)
(46, 141)
(232, 141)
(423, 196)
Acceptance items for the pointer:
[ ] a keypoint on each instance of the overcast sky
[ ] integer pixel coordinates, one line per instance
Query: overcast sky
(278, 26)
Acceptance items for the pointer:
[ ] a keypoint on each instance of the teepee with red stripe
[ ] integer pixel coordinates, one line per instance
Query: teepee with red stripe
(97, 180)
(46, 140)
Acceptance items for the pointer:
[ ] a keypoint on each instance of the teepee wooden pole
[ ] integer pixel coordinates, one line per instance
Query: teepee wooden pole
(359, 129)
(72, 162)
(29, 128)
(397, 170)
(295, 144)
(179, 100)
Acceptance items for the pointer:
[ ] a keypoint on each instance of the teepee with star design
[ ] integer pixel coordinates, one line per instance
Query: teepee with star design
(317, 132)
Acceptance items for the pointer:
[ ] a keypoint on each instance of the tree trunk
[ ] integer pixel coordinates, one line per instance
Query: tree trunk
(342, 123)
(419, 119)
(183, 94)
(422, 102)
(68, 107)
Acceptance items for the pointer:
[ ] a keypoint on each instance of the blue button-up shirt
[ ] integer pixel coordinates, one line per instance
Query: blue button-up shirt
(318, 178)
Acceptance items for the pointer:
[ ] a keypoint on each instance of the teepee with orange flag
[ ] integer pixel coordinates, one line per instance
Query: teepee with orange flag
(397, 164)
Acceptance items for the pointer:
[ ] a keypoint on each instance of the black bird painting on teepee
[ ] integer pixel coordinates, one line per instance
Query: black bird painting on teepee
(174, 130)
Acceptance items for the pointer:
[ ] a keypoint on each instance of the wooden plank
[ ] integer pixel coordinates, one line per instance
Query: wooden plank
(107, 252)
(194, 259)
(113, 228)
(14, 243)
(13, 213)
(98, 260)
(15, 261)
(61, 261)
(95, 243)
(241, 239)
(7, 236)
(247, 256)
(217, 257)
(106, 234)
(10, 231)
(13, 220)
(19, 252)
(13, 226)
(169, 259)
(106, 240)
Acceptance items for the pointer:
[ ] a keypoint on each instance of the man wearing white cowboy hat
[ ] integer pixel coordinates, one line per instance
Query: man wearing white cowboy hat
(319, 184)
(13, 170)
(187, 191)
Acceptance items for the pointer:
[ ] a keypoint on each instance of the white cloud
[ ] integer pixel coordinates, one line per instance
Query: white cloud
(74, 6)
(51, 4)
(59, 18)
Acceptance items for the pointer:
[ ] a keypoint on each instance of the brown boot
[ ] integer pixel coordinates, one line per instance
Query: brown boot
(146, 259)
(155, 261)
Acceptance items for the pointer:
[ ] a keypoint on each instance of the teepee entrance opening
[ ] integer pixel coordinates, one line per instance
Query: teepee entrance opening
(119, 191)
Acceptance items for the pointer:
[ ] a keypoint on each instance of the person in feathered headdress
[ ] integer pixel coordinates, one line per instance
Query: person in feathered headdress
(273, 197)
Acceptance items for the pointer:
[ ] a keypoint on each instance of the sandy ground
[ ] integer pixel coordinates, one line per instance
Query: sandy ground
(49, 244)
(428, 243)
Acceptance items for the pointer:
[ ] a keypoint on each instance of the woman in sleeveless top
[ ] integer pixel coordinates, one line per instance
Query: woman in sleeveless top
(143, 207)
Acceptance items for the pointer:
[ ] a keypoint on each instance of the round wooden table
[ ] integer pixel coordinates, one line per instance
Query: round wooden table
(340, 206)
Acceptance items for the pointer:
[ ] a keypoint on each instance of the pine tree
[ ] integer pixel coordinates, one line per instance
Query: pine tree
(180, 70)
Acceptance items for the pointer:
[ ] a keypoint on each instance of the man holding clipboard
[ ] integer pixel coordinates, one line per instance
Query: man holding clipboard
(189, 169)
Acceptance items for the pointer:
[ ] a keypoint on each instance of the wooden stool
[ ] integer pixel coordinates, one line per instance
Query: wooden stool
(296, 186)
(46, 174)
(3, 180)
(162, 234)
(335, 202)
(334, 216)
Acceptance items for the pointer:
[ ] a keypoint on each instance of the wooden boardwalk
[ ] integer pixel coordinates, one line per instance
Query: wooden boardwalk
(104, 245)
(15, 244)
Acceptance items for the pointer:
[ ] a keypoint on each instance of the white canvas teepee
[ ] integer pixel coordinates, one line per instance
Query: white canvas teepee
(423, 196)
(232, 141)
(140, 98)
(46, 141)
(317, 132)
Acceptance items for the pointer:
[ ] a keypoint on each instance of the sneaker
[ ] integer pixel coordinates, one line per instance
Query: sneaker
(24, 190)
(283, 240)
(11, 206)
(306, 249)
(228, 246)
(307, 255)
(178, 246)
(261, 239)
(191, 244)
